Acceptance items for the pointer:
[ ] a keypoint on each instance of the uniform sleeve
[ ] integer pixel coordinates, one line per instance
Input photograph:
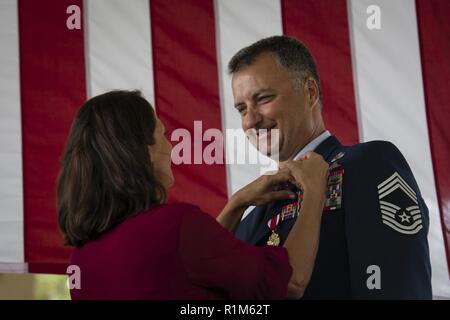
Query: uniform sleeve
(386, 227)
(215, 259)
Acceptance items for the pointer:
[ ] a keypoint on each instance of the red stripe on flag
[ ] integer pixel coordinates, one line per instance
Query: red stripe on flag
(434, 30)
(52, 89)
(187, 89)
(322, 25)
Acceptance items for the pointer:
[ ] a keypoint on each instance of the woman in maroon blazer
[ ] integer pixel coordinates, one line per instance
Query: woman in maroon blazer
(130, 244)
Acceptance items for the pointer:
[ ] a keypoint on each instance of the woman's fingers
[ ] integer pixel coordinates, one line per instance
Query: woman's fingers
(309, 172)
(282, 195)
(283, 175)
(275, 196)
(293, 165)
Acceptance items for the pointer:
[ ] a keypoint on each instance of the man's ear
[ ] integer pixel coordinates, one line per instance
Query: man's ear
(312, 91)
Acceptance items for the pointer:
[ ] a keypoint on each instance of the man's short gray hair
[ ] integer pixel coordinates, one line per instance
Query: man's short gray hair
(289, 53)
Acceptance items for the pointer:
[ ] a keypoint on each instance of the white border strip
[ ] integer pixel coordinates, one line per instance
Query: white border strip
(239, 23)
(388, 82)
(11, 182)
(118, 46)
(13, 267)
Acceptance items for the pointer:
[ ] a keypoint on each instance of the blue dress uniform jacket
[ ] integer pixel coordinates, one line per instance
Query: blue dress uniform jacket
(375, 245)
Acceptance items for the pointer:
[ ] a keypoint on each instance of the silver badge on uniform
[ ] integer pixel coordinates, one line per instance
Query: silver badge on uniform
(399, 206)
(337, 157)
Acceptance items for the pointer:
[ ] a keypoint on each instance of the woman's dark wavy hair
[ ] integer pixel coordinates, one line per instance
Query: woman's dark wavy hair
(106, 172)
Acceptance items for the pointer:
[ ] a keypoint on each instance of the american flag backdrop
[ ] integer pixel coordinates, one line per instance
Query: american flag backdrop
(389, 83)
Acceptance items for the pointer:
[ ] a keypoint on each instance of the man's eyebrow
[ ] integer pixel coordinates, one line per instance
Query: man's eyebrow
(257, 93)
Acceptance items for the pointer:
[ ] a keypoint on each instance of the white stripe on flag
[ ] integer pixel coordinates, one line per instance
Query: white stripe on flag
(11, 195)
(239, 23)
(389, 91)
(118, 46)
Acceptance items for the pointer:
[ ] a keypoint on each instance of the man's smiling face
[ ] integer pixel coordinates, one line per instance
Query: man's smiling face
(266, 97)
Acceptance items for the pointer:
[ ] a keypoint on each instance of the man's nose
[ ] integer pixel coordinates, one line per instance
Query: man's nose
(251, 119)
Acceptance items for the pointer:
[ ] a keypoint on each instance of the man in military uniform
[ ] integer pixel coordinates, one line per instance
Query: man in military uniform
(373, 242)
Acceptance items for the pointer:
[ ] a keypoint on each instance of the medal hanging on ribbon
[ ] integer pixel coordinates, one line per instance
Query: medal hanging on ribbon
(274, 238)
(288, 211)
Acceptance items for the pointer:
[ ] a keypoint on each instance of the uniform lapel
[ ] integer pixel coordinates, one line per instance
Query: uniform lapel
(247, 227)
(326, 149)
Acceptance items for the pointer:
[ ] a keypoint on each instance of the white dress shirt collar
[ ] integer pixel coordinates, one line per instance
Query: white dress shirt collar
(313, 144)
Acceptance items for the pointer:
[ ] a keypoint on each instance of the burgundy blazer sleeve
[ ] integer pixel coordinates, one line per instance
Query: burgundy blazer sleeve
(214, 258)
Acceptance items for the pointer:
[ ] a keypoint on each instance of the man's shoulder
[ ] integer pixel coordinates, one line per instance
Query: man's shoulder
(373, 158)
(375, 161)
(377, 150)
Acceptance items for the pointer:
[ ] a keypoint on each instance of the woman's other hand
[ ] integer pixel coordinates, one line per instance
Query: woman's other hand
(266, 189)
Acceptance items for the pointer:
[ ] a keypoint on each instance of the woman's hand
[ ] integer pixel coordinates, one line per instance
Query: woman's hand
(259, 192)
(265, 189)
(310, 172)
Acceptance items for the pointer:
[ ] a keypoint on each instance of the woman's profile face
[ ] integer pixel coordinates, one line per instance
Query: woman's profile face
(160, 154)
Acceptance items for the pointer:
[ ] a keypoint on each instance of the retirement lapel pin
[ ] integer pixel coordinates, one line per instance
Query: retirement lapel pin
(334, 165)
(337, 157)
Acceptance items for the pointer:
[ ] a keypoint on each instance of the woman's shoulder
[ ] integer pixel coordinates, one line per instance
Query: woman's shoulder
(175, 210)
(158, 219)
(178, 207)
(174, 216)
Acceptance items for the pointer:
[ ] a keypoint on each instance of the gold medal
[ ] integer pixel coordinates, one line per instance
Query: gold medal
(274, 239)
